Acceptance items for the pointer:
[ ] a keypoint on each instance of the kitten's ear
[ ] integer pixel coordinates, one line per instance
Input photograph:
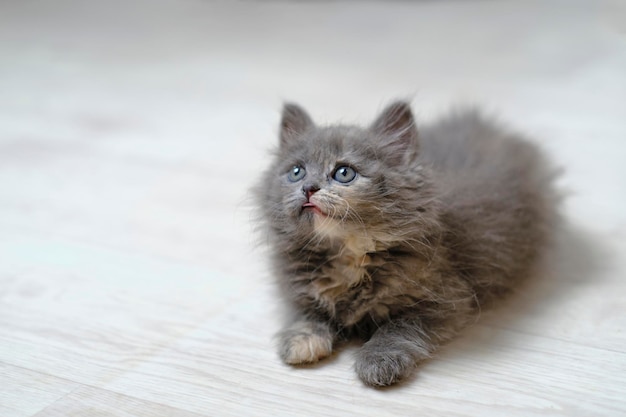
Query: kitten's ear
(294, 121)
(397, 129)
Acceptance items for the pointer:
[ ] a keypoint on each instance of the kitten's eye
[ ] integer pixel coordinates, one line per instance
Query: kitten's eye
(296, 173)
(344, 174)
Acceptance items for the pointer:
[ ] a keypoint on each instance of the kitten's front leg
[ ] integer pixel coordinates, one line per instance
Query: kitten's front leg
(393, 352)
(306, 341)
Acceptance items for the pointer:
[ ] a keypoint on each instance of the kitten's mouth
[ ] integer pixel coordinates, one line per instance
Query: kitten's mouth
(308, 206)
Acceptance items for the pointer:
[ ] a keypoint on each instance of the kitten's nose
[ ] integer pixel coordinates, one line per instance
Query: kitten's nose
(309, 190)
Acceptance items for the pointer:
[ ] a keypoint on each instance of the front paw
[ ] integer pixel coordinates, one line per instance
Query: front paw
(305, 343)
(379, 368)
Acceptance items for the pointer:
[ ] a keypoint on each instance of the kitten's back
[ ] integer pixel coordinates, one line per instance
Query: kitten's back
(495, 188)
(476, 157)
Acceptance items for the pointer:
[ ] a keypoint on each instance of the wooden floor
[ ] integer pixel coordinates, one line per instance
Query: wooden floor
(131, 282)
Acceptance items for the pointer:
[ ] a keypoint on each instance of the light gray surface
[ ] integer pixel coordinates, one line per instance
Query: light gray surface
(130, 132)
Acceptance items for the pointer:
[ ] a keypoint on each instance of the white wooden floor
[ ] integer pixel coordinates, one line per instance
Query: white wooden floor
(130, 280)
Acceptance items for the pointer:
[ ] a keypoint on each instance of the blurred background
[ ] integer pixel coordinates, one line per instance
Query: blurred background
(131, 132)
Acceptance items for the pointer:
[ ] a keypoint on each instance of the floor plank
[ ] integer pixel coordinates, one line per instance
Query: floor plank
(89, 401)
(24, 392)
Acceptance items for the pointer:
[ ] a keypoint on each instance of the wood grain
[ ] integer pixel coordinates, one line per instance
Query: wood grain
(131, 280)
(93, 402)
(25, 392)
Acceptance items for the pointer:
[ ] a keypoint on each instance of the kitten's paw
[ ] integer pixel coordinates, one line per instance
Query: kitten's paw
(382, 368)
(305, 343)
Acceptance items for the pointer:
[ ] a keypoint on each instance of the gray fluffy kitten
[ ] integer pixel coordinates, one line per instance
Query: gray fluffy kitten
(398, 236)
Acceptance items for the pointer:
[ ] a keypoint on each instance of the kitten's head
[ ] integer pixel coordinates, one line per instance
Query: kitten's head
(340, 182)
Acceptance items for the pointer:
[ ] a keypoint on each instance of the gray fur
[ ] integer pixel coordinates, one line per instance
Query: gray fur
(435, 226)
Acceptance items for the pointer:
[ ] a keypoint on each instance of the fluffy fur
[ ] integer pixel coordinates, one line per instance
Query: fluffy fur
(433, 226)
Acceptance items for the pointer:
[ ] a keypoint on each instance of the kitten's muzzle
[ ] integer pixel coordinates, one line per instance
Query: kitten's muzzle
(311, 206)
(308, 190)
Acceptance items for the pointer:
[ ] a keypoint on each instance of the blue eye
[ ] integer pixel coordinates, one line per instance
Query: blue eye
(296, 173)
(344, 174)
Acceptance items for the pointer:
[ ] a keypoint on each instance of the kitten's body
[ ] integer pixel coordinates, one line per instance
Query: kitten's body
(406, 252)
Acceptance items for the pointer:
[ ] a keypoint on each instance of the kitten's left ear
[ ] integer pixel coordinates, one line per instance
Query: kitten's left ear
(397, 129)
(294, 121)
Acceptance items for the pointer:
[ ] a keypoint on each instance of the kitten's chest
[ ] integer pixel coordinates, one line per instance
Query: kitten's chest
(345, 279)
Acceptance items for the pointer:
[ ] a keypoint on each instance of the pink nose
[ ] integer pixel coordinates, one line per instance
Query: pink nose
(309, 190)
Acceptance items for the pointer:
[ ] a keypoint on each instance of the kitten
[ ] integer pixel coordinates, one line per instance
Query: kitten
(398, 236)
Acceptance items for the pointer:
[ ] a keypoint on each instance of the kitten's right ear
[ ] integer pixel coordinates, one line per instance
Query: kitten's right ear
(295, 120)
(397, 130)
